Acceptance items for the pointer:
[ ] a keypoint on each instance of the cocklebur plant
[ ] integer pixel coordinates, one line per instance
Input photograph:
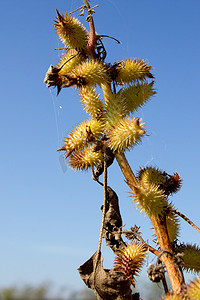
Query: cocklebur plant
(111, 129)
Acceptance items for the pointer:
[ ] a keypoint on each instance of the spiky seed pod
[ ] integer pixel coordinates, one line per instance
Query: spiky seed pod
(126, 134)
(84, 159)
(71, 32)
(174, 297)
(168, 183)
(193, 291)
(91, 102)
(91, 72)
(116, 109)
(69, 61)
(133, 69)
(151, 175)
(77, 138)
(149, 199)
(173, 226)
(129, 261)
(137, 95)
(191, 257)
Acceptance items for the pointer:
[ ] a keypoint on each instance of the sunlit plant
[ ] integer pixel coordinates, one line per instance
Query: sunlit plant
(111, 129)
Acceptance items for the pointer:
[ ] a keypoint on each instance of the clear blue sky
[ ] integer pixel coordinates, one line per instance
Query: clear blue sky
(49, 215)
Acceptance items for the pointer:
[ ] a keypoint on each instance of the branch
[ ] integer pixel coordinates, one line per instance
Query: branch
(126, 169)
(134, 233)
(175, 211)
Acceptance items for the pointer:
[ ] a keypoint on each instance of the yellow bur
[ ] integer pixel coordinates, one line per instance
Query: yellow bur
(91, 102)
(137, 95)
(151, 175)
(150, 200)
(130, 70)
(116, 110)
(125, 134)
(84, 159)
(69, 61)
(91, 73)
(129, 261)
(71, 32)
(83, 134)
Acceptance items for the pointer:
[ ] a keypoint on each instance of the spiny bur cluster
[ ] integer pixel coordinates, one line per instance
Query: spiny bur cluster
(111, 95)
(111, 118)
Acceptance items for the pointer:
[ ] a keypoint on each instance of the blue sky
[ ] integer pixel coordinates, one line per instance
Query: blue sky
(49, 215)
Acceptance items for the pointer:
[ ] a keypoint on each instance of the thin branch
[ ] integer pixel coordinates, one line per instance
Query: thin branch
(103, 217)
(80, 8)
(175, 211)
(134, 233)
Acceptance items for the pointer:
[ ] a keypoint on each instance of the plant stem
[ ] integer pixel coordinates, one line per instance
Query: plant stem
(126, 169)
(165, 244)
(93, 37)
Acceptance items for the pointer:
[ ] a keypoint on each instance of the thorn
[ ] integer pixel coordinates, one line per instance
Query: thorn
(137, 121)
(63, 148)
(68, 154)
(58, 89)
(59, 16)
